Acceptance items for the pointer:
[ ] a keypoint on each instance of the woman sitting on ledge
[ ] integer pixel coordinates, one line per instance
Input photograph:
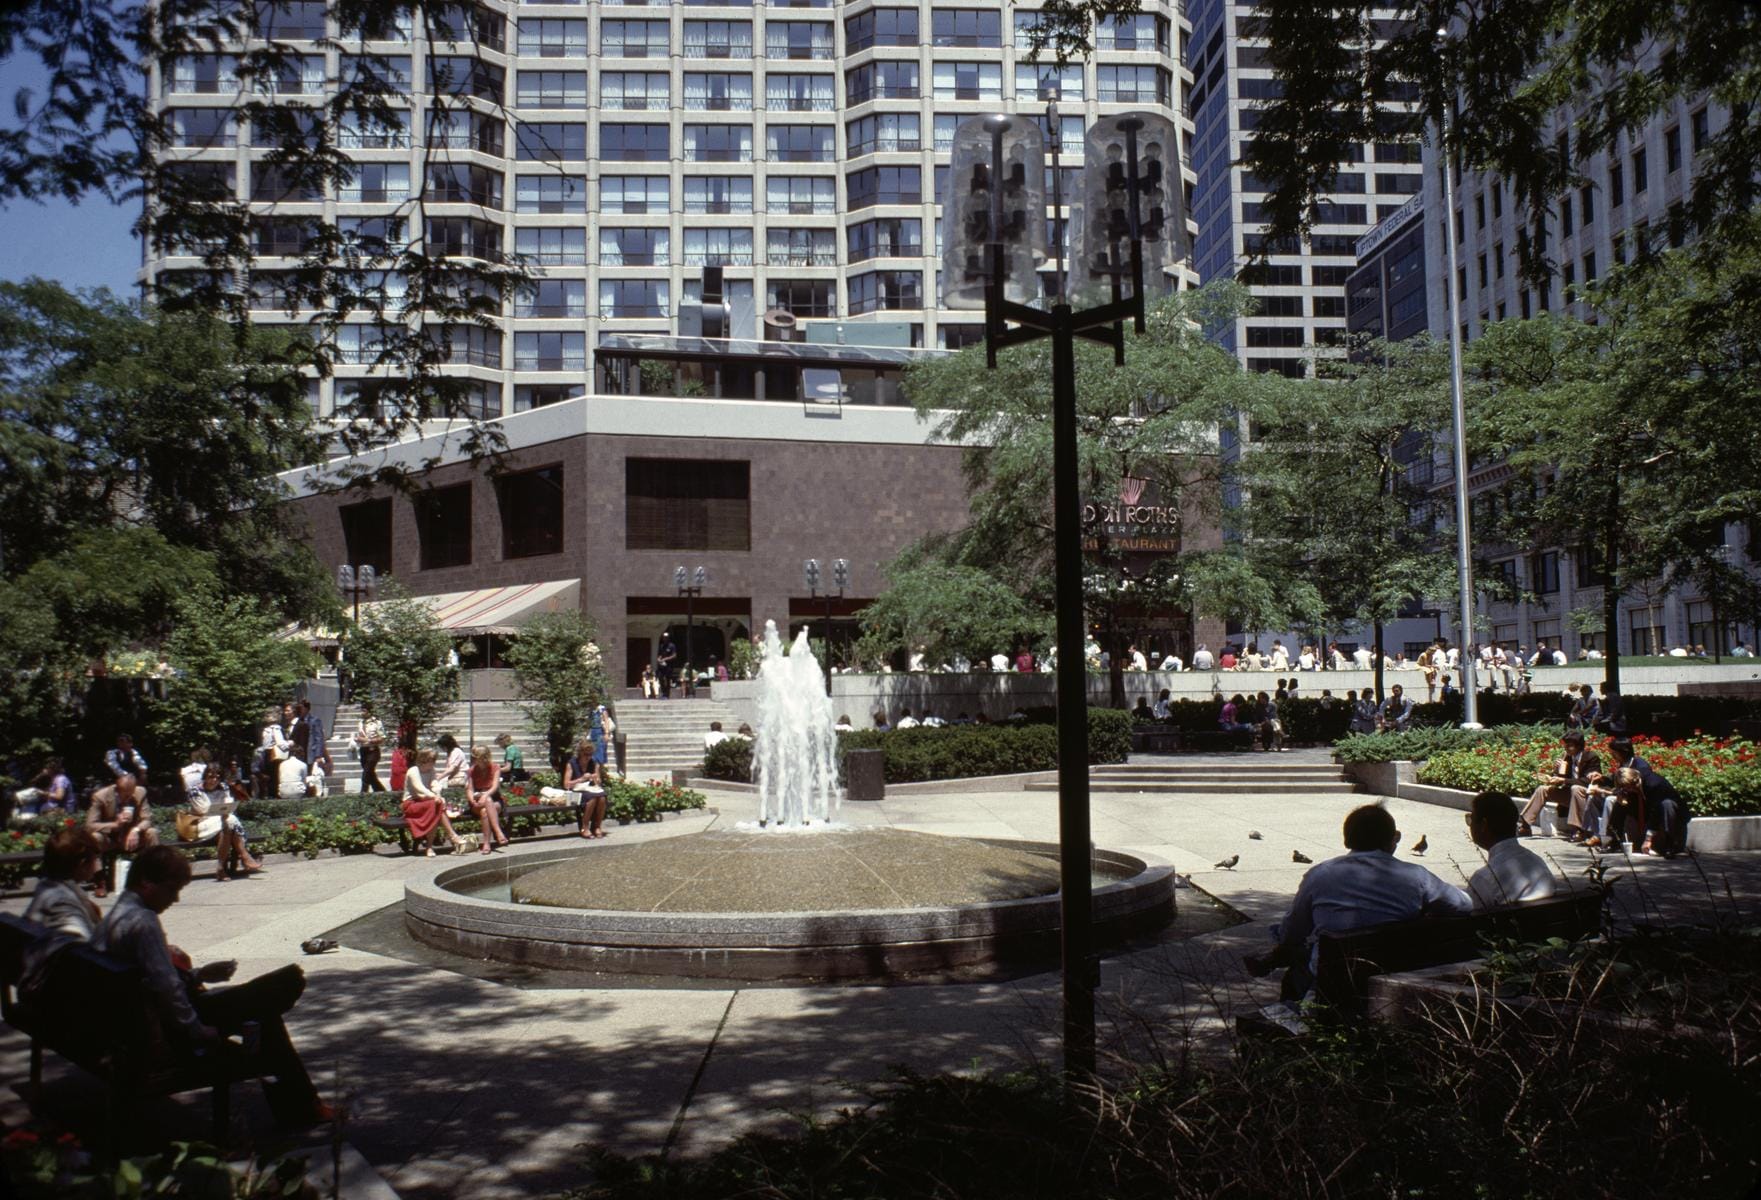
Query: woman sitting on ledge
(214, 805)
(423, 808)
(581, 776)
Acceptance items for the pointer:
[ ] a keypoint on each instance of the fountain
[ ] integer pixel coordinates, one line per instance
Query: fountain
(795, 756)
(863, 902)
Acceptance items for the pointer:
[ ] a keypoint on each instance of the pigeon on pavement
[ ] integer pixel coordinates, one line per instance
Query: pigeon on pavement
(318, 945)
(1254, 835)
(1420, 846)
(1228, 864)
(1299, 856)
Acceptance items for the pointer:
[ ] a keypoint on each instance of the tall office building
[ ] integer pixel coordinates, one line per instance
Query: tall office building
(1630, 198)
(1301, 288)
(622, 149)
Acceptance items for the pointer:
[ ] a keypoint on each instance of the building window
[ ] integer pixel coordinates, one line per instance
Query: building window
(686, 504)
(550, 351)
(880, 27)
(800, 92)
(635, 90)
(718, 194)
(528, 396)
(802, 297)
(1133, 85)
(1546, 572)
(718, 39)
(883, 132)
(466, 77)
(1702, 129)
(532, 512)
(1043, 81)
(1646, 631)
(550, 194)
(876, 291)
(633, 246)
(728, 247)
(634, 143)
(443, 527)
(541, 141)
(366, 534)
(557, 247)
(800, 143)
(552, 89)
(1136, 32)
(1641, 171)
(798, 39)
(630, 39)
(718, 143)
(460, 183)
(718, 92)
(634, 194)
(884, 185)
(626, 298)
(967, 28)
(881, 81)
(885, 237)
(968, 81)
(796, 247)
(1589, 268)
(552, 298)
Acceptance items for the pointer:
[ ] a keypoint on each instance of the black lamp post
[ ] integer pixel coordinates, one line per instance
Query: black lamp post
(841, 580)
(690, 585)
(996, 184)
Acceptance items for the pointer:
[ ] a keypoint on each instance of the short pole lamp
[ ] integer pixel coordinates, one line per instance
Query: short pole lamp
(690, 584)
(840, 580)
(357, 583)
(1133, 216)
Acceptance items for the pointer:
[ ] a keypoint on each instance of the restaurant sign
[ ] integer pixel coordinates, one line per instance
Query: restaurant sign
(1134, 520)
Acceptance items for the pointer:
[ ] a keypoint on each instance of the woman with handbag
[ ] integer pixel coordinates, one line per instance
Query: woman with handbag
(272, 747)
(213, 814)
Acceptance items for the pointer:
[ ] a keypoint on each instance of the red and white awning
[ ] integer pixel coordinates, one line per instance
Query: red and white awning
(502, 609)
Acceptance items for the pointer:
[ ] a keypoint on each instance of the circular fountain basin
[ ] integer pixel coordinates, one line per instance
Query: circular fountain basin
(841, 904)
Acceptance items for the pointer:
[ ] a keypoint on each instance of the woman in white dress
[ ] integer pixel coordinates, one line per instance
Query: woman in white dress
(216, 809)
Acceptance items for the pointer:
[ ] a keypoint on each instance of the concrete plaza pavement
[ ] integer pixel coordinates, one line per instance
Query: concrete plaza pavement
(465, 1086)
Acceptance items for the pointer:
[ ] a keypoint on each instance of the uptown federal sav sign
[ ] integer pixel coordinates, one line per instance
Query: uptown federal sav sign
(1136, 520)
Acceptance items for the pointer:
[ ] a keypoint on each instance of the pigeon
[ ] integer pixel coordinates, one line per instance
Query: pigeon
(318, 945)
(1299, 856)
(1228, 864)
(1420, 846)
(1254, 835)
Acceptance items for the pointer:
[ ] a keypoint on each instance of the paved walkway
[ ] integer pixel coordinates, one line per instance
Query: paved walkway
(467, 1087)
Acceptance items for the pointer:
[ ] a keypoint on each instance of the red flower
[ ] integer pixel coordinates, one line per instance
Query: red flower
(67, 1139)
(17, 834)
(21, 1137)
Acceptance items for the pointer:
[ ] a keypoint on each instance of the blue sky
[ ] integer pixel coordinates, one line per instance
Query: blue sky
(82, 245)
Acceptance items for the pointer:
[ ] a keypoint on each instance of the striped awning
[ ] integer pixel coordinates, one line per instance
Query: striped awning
(502, 609)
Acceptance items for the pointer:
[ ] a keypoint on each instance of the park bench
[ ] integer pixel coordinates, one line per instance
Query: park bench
(1155, 739)
(395, 823)
(104, 1021)
(1202, 741)
(1346, 962)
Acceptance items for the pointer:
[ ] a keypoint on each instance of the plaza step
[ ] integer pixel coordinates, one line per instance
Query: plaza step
(663, 736)
(1215, 778)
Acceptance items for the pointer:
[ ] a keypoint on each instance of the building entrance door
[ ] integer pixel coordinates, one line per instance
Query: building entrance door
(638, 653)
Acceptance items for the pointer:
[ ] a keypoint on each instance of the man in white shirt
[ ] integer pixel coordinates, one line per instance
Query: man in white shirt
(906, 720)
(1513, 873)
(1280, 657)
(715, 736)
(1138, 661)
(1559, 659)
(1366, 886)
(999, 662)
(1362, 658)
(191, 775)
(1202, 659)
(290, 780)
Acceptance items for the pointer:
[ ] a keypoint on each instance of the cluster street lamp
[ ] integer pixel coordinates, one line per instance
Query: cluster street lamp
(690, 585)
(997, 228)
(840, 580)
(356, 582)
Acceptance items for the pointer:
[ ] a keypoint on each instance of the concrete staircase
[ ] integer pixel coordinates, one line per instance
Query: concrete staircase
(472, 724)
(663, 736)
(1248, 775)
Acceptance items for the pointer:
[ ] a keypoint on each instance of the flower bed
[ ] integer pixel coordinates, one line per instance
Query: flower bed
(1718, 777)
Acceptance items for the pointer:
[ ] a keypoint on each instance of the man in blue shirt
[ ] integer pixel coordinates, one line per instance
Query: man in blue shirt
(1364, 887)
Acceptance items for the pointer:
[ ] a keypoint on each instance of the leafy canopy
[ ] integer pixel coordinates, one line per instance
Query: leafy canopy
(399, 660)
(559, 674)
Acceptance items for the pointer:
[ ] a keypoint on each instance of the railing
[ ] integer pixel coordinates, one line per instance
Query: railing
(718, 50)
(635, 103)
(718, 206)
(889, 146)
(578, 309)
(814, 50)
(733, 154)
(550, 362)
(887, 250)
(816, 155)
(717, 258)
(806, 208)
(802, 258)
(800, 103)
(633, 258)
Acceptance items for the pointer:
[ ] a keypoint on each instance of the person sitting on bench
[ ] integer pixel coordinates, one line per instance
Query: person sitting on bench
(1568, 773)
(1395, 715)
(194, 1018)
(1365, 886)
(1512, 874)
(71, 857)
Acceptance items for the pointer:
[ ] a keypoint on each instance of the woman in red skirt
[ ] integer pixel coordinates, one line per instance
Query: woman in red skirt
(423, 808)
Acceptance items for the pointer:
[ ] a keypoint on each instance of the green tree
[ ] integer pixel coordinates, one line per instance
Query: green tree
(946, 610)
(1330, 514)
(559, 674)
(398, 659)
(1154, 419)
(232, 665)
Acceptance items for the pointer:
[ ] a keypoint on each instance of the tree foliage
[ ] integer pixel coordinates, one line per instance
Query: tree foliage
(946, 610)
(1504, 73)
(398, 658)
(91, 132)
(559, 674)
(231, 666)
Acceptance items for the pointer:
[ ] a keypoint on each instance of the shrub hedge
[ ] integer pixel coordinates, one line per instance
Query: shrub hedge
(1424, 741)
(1305, 718)
(954, 751)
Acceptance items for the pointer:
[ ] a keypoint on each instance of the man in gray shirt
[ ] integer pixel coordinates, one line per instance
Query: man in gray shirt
(193, 1017)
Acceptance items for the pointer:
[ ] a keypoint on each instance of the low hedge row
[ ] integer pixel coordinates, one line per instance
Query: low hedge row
(954, 751)
(345, 823)
(1305, 719)
(1423, 741)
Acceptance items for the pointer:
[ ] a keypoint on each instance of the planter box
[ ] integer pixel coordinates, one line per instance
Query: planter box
(1705, 834)
(1382, 778)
